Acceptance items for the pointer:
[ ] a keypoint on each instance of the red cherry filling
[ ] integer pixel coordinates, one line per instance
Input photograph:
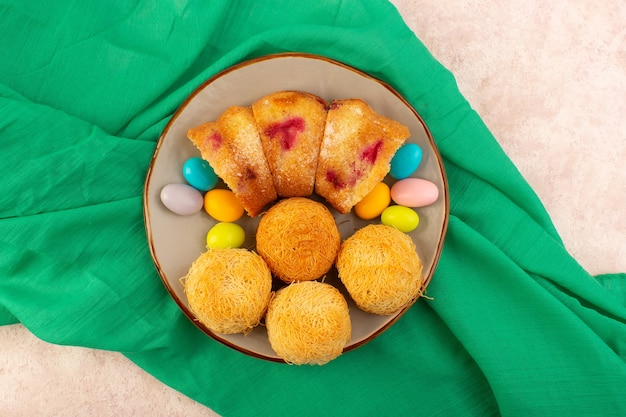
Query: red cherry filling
(286, 131)
(339, 183)
(367, 157)
(249, 175)
(333, 178)
(370, 153)
(214, 139)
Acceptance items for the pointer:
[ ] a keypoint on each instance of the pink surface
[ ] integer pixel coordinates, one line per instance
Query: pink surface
(548, 79)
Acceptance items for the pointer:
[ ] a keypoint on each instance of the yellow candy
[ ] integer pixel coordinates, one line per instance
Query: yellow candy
(402, 218)
(373, 204)
(222, 205)
(225, 235)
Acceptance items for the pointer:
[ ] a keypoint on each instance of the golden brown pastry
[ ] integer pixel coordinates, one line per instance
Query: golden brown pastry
(381, 269)
(228, 289)
(308, 323)
(232, 146)
(356, 152)
(298, 238)
(291, 126)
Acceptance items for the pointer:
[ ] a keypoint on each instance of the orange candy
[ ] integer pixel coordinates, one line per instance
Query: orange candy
(373, 204)
(222, 205)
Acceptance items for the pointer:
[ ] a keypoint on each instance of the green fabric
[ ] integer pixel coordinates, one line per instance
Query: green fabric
(515, 326)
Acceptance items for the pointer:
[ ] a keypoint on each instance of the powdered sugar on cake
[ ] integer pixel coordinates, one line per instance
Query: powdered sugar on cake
(292, 143)
(356, 152)
(291, 126)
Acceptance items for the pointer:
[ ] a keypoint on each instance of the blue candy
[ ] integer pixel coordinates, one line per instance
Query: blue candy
(199, 174)
(405, 161)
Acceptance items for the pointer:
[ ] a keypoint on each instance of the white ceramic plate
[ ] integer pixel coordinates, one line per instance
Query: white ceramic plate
(176, 241)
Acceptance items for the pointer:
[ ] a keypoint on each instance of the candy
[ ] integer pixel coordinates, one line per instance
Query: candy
(225, 235)
(373, 203)
(402, 218)
(199, 174)
(405, 161)
(222, 205)
(181, 199)
(414, 192)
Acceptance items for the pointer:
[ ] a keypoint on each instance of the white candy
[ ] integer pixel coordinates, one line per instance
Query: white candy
(182, 199)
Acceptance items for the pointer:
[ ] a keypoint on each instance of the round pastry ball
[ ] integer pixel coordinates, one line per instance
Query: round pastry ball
(380, 268)
(228, 289)
(298, 238)
(308, 323)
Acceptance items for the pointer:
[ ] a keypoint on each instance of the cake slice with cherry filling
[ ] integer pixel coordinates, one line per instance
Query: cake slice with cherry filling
(232, 147)
(356, 152)
(291, 127)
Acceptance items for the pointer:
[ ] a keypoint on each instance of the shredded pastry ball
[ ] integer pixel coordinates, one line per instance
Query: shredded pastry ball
(299, 239)
(381, 269)
(228, 289)
(308, 323)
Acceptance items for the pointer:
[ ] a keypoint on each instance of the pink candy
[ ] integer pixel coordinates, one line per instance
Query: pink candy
(414, 192)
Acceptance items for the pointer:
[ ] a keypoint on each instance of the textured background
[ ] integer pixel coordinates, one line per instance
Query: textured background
(549, 80)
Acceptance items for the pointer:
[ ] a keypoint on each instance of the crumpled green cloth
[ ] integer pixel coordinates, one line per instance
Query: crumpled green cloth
(515, 326)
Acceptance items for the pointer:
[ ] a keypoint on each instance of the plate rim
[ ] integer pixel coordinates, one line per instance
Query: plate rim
(146, 209)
